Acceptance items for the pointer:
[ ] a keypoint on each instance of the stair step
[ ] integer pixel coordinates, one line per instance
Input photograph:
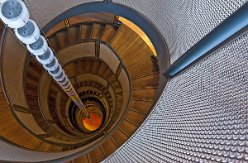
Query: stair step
(85, 31)
(82, 159)
(54, 44)
(88, 66)
(135, 117)
(72, 69)
(6, 117)
(141, 106)
(43, 146)
(148, 93)
(119, 137)
(128, 127)
(63, 38)
(138, 53)
(124, 38)
(55, 148)
(96, 155)
(96, 31)
(108, 33)
(151, 80)
(73, 35)
(32, 143)
(109, 147)
(141, 68)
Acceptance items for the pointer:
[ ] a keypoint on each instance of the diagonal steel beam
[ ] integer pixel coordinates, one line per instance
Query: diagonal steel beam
(224, 32)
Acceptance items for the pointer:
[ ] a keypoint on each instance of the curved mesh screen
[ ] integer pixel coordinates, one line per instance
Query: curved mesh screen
(201, 116)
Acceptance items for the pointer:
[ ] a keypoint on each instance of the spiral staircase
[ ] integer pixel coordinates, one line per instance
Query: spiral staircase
(112, 68)
(142, 81)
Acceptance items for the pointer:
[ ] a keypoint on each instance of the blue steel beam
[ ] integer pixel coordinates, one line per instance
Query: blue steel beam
(225, 31)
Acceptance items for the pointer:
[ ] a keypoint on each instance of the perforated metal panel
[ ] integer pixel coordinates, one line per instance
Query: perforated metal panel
(46, 10)
(12, 153)
(184, 22)
(201, 116)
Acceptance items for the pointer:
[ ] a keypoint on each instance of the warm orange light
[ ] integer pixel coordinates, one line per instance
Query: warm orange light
(93, 122)
(139, 31)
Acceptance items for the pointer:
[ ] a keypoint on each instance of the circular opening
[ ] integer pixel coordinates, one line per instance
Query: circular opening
(94, 119)
(96, 115)
(93, 122)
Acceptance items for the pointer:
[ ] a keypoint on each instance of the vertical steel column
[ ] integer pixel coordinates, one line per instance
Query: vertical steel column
(15, 14)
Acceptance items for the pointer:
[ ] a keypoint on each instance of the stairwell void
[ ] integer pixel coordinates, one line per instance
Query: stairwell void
(113, 66)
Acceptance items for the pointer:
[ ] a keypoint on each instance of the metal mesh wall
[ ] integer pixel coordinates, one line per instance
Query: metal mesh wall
(201, 116)
(46, 10)
(184, 22)
(14, 154)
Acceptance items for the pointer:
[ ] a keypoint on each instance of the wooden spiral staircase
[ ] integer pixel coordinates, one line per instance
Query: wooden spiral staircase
(27, 124)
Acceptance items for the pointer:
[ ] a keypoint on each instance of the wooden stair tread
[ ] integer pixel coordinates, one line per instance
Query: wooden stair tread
(96, 31)
(63, 38)
(73, 34)
(108, 33)
(85, 31)
(82, 159)
(96, 155)
(151, 80)
(54, 44)
(119, 137)
(128, 127)
(109, 147)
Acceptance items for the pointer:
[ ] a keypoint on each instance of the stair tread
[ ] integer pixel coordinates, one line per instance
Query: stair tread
(108, 33)
(96, 31)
